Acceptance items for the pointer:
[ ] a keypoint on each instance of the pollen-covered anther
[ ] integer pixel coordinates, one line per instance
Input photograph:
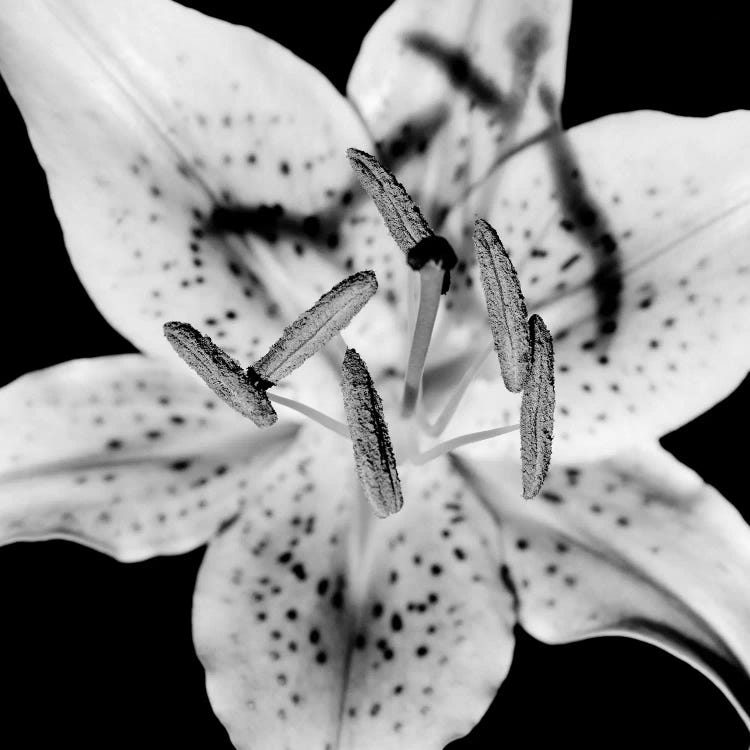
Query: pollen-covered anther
(312, 330)
(506, 308)
(373, 453)
(400, 213)
(537, 409)
(222, 374)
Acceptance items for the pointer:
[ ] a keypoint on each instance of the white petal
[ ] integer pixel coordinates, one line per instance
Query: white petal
(311, 634)
(663, 205)
(636, 546)
(147, 117)
(447, 88)
(124, 455)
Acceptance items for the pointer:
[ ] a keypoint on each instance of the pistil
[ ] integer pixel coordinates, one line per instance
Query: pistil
(431, 280)
(431, 256)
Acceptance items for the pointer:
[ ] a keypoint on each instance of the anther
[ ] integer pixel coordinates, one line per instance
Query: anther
(400, 213)
(312, 330)
(222, 374)
(537, 409)
(373, 452)
(506, 308)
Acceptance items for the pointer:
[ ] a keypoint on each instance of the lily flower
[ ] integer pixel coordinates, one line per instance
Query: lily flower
(198, 172)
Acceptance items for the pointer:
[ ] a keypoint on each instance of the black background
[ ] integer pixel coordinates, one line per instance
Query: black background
(96, 654)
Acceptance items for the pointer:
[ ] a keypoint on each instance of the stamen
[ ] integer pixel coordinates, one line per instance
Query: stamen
(373, 453)
(312, 330)
(537, 409)
(222, 374)
(450, 407)
(457, 442)
(317, 416)
(505, 306)
(400, 213)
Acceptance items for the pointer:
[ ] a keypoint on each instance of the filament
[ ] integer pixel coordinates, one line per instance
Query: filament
(458, 442)
(317, 416)
(437, 427)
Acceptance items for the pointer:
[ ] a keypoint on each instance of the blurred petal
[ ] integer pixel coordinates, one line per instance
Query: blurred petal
(198, 169)
(447, 88)
(123, 455)
(310, 634)
(637, 546)
(638, 258)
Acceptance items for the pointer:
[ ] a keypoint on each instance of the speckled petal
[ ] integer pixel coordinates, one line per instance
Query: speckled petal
(312, 636)
(197, 168)
(125, 455)
(637, 546)
(635, 248)
(447, 88)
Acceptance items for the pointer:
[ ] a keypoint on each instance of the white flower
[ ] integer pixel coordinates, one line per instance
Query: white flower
(148, 118)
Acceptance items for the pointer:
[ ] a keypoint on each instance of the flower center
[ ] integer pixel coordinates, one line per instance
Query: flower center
(384, 436)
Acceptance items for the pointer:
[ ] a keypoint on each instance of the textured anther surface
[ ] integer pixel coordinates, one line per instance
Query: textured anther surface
(222, 374)
(373, 452)
(312, 330)
(506, 308)
(537, 409)
(400, 213)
